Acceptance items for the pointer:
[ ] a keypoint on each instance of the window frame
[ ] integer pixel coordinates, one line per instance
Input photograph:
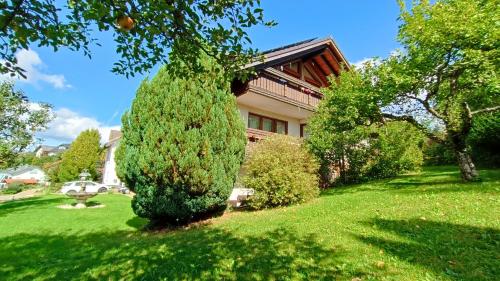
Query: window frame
(261, 121)
(302, 129)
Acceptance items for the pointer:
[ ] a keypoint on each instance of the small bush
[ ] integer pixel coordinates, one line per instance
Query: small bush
(15, 187)
(436, 154)
(281, 171)
(54, 187)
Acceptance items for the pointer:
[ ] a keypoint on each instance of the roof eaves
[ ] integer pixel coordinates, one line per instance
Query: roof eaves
(111, 141)
(289, 50)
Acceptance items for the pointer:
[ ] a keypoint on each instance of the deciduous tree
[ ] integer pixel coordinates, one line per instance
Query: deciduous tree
(145, 31)
(19, 121)
(353, 146)
(445, 76)
(448, 71)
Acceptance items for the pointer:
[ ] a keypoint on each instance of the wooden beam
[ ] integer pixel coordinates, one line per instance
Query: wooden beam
(334, 61)
(319, 72)
(330, 66)
(314, 71)
(338, 56)
(291, 79)
(322, 66)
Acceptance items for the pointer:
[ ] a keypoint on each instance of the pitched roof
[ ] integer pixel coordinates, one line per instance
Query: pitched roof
(19, 170)
(114, 134)
(45, 147)
(303, 42)
(306, 48)
(51, 148)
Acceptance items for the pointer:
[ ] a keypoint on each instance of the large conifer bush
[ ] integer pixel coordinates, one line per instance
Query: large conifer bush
(182, 146)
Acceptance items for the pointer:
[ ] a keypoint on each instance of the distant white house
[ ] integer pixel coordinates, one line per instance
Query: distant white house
(109, 176)
(48, 150)
(27, 174)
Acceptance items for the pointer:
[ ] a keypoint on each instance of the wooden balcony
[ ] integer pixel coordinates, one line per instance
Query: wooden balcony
(286, 90)
(256, 134)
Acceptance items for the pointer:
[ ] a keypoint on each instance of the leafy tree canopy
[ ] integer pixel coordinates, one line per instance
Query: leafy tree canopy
(446, 74)
(84, 153)
(353, 145)
(19, 121)
(144, 30)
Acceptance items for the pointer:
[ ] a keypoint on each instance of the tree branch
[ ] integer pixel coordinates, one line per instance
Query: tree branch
(412, 121)
(425, 103)
(12, 15)
(484, 110)
(467, 118)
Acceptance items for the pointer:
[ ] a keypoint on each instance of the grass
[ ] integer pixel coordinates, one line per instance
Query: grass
(428, 226)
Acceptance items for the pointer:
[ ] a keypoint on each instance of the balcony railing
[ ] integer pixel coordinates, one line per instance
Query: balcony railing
(256, 134)
(286, 89)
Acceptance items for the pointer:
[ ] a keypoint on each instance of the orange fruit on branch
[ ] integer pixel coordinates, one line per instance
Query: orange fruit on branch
(125, 22)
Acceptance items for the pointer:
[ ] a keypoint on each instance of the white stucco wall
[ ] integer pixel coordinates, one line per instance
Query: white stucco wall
(293, 124)
(36, 174)
(109, 175)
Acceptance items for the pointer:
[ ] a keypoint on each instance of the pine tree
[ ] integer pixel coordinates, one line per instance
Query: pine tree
(182, 146)
(84, 153)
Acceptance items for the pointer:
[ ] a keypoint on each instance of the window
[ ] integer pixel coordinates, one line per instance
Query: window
(267, 124)
(280, 127)
(303, 131)
(253, 121)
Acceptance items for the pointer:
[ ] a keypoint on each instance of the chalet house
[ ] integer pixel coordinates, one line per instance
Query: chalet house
(283, 94)
(26, 174)
(48, 150)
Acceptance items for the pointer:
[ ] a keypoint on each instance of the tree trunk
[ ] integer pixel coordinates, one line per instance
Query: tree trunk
(467, 167)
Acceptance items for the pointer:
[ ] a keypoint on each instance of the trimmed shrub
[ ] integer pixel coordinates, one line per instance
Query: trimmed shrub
(182, 146)
(281, 171)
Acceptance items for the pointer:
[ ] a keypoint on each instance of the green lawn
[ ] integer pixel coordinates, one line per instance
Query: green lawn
(416, 227)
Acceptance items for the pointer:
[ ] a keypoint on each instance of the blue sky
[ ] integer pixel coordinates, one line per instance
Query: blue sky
(86, 94)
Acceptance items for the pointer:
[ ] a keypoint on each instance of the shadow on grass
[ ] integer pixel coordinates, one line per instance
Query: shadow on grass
(22, 204)
(460, 252)
(200, 254)
(137, 223)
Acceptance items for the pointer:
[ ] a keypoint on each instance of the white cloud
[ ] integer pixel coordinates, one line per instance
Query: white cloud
(31, 62)
(67, 125)
(359, 64)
